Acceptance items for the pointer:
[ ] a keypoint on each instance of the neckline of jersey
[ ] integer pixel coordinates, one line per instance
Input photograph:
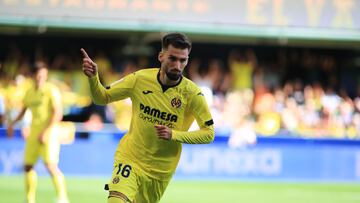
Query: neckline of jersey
(166, 87)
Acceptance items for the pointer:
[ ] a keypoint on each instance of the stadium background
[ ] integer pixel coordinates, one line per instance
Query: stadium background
(289, 131)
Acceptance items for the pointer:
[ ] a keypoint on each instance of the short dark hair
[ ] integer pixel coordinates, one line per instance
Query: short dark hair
(177, 40)
(38, 66)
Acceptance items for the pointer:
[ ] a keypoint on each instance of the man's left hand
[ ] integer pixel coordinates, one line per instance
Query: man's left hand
(163, 132)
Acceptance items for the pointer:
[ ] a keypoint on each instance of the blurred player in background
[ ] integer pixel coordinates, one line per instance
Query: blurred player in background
(2, 103)
(164, 105)
(44, 101)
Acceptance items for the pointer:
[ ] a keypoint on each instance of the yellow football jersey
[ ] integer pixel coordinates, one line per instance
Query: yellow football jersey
(155, 104)
(41, 103)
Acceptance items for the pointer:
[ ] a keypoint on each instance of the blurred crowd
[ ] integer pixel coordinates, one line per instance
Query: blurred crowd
(298, 94)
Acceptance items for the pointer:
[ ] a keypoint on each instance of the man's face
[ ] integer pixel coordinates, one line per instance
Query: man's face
(41, 76)
(173, 61)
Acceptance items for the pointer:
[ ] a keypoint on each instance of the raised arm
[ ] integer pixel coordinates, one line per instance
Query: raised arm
(120, 89)
(90, 68)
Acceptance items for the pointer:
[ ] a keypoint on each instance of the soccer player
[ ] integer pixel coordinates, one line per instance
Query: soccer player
(44, 101)
(164, 105)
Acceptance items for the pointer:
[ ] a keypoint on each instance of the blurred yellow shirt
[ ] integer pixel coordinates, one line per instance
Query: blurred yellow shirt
(242, 73)
(41, 103)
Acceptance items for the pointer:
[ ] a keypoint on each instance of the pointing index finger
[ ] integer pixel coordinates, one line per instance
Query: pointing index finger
(85, 55)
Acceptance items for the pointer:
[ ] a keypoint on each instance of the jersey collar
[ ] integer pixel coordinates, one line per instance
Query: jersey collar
(165, 87)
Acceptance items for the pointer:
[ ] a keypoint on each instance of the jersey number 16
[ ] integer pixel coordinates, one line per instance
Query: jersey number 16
(125, 171)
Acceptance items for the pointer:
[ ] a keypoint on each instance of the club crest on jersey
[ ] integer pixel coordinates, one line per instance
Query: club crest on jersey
(176, 102)
(116, 180)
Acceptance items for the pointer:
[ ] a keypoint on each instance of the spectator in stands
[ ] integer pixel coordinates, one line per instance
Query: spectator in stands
(217, 75)
(11, 62)
(309, 118)
(268, 121)
(237, 116)
(242, 66)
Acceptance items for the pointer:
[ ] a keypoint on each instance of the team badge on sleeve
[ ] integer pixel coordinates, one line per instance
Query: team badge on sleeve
(176, 102)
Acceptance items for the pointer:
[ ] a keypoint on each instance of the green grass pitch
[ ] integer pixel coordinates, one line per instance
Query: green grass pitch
(90, 190)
